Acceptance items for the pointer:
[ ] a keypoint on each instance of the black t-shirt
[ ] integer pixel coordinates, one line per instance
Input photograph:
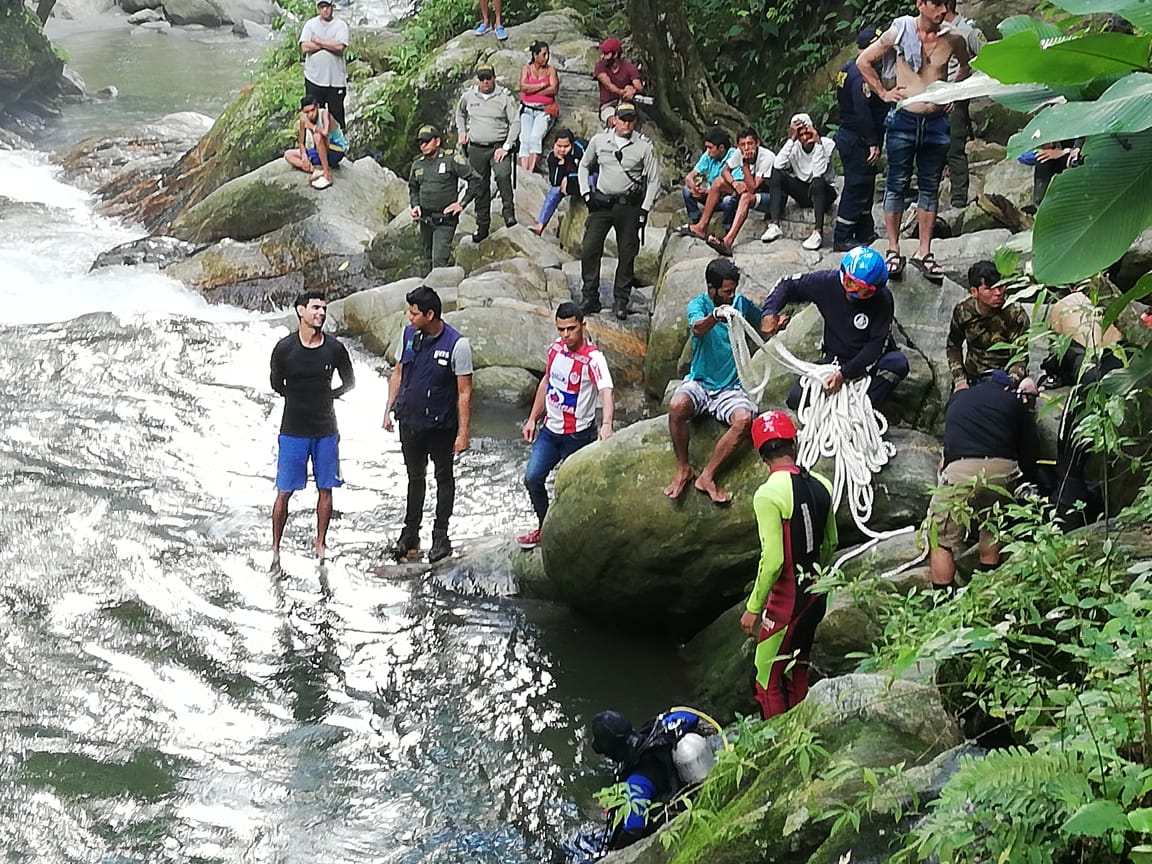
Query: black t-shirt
(303, 376)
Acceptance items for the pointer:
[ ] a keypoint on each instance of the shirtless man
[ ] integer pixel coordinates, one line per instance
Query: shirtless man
(923, 46)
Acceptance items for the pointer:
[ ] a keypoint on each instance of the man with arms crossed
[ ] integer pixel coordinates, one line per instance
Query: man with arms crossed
(323, 41)
(575, 377)
(923, 45)
(302, 367)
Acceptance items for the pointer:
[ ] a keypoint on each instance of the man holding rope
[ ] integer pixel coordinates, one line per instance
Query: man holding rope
(713, 383)
(857, 307)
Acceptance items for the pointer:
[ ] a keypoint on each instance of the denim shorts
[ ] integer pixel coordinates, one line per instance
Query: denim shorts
(922, 139)
(292, 462)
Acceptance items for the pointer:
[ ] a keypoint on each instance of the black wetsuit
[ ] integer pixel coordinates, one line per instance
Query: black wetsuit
(303, 376)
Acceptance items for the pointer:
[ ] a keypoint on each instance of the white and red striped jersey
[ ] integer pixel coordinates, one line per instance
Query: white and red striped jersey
(575, 379)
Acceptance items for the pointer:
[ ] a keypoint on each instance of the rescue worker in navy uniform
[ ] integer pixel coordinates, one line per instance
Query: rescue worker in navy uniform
(626, 188)
(433, 192)
(857, 307)
(650, 764)
(430, 396)
(859, 139)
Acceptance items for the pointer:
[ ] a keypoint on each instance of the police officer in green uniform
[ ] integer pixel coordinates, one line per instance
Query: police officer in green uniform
(433, 189)
(629, 179)
(488, 122)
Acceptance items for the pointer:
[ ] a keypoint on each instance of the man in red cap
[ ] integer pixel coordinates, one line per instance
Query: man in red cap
(797, 528)
(619, 79)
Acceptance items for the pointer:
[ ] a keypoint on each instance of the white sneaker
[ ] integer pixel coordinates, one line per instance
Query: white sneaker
(813, 242)
(321, 182)
(772, 232)
(317, 174)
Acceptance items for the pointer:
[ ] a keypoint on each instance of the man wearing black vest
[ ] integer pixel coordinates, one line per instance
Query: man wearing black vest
(430, 396)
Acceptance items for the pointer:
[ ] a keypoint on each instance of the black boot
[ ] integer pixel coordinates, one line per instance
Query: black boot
(480, 235)
(620, 310)
(408, 541)
(441, 547)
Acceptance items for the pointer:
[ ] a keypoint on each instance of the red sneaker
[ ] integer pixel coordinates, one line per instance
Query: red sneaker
(530, 540)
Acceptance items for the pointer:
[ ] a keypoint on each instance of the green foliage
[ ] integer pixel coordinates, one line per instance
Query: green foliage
(1091, 214)
(762, 53)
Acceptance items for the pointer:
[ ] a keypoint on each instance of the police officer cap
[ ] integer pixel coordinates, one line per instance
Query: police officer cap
(427, 133)
(485, 70)
(625, 109)
(866, 37)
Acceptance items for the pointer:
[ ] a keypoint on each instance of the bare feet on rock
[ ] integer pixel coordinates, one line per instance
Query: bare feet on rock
(708, 486)
(679, 483)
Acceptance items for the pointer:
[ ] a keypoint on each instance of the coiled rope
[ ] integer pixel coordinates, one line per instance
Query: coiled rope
(842, 426)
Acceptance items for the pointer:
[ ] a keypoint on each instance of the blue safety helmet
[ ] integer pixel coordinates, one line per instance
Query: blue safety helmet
(863, 272)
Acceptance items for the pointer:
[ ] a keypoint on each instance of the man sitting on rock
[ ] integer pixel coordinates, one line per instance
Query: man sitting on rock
(713, 384)
(797, 527)
(982, 322)
(706, 172)
(576, 377)
(320, 143)
(619, 80)
(989, 445)
(857, 307)
(741, 187)
(804, 171)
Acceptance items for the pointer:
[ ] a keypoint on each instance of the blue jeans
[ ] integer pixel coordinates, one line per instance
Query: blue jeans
(554, 196)
(548, 452)
(692, 205)
(921, 139)
(727, 208)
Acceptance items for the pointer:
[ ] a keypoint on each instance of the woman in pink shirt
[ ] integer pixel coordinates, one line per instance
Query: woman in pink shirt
(538, 85)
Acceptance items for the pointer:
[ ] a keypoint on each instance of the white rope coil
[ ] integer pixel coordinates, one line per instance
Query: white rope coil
(842, 426)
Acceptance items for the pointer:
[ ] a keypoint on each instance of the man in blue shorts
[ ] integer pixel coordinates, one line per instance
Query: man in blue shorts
(302, 367)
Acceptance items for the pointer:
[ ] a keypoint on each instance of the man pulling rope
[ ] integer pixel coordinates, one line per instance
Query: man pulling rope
(836, 399)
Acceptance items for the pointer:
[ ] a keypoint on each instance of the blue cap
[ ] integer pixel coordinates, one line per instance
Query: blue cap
(866, 37)
(1000, 377)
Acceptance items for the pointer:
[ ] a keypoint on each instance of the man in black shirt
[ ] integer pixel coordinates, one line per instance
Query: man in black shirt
(302, 367)
(989, 445)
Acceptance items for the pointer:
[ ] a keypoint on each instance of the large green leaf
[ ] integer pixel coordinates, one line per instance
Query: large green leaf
(1023, 58)
(1096, 819)
(1091, 214)
(1021, 23)
(1139, 12)
(1124, 108)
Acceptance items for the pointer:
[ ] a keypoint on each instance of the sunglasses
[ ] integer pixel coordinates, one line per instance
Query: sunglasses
(485, 77)
(855, 288)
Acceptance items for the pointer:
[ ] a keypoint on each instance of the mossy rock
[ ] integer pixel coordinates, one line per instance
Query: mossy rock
(245, 212)
(29, 67)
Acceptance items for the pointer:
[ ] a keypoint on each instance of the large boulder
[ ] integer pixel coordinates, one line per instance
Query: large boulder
(690, 560)
(273, 233)
(503, 243)
(29, 68)
(207, 13)
(245, 12)
(513, 334)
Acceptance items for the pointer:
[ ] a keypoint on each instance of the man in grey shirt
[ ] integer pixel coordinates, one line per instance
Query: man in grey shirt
(323, 41)
(488, 122)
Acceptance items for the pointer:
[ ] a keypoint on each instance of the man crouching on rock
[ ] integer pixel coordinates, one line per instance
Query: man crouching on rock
(713, 384)
(320, 143)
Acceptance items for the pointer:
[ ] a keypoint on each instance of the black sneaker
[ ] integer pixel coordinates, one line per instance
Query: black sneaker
(441, 547)
(480, 236)
(509, 221)
(405, 544)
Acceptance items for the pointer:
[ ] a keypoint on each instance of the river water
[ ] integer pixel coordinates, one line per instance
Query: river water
(162, 698)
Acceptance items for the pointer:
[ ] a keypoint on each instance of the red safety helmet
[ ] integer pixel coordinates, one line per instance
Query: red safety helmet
(772, 426)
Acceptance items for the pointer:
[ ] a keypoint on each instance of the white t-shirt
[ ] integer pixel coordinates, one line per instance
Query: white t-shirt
(762, 169)
(804, 165)
(325, 68)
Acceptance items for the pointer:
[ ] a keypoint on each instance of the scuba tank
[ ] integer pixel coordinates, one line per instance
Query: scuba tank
(693, 757)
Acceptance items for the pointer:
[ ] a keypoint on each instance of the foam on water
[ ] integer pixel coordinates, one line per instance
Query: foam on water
(49, 237)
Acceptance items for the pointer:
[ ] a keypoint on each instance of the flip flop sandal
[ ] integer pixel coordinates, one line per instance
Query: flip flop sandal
(720, 246)
(896, 263)
(931, 269)
(685, 231)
